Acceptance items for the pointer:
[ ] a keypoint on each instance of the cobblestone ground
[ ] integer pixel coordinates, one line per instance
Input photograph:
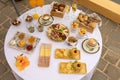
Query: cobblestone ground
(109, 65)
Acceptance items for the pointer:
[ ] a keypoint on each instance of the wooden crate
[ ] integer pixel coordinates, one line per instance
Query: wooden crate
(57, 14)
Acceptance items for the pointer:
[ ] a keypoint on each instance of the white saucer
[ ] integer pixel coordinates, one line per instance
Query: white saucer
(88, 50)
(46, 22)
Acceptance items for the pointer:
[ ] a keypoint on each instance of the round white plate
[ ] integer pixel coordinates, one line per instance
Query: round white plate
(46, 23)
(87, 49)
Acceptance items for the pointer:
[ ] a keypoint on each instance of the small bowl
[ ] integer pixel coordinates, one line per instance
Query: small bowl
(74, 25)
(72, 41)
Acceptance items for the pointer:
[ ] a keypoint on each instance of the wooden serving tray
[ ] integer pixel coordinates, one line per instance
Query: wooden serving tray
(67, 68)
(66, 54)
(44, 56)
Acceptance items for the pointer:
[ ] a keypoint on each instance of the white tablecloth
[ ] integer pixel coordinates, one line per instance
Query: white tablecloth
(33, 72)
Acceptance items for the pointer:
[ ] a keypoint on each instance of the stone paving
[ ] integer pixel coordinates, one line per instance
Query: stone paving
(109, 65)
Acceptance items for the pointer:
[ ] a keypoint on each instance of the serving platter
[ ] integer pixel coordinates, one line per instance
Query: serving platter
(24, 42)
(57, 32)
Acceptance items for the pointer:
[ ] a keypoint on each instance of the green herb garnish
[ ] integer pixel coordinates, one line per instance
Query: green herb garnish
(60, 30)
(75, 61)
(75, 48)
(70, 55)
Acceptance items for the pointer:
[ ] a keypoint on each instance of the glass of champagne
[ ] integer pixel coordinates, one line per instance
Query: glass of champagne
(74, 9)
(67, 10)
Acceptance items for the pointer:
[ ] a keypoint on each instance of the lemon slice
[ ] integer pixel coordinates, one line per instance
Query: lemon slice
(35, 16)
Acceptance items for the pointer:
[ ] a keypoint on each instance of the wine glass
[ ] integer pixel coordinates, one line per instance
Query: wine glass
(74, 9)
(67, 10)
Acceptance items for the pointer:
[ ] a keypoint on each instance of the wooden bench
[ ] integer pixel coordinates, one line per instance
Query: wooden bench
(106, 8)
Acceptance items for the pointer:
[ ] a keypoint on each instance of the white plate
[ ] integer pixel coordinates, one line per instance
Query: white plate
(45, 23)
(87, 49)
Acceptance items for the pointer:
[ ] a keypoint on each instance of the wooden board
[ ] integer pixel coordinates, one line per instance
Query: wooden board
(44, 56)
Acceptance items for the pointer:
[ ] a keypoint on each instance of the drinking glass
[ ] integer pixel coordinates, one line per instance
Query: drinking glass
(67, 10)
(40, 28)
(82, 33)
(34, 3)
(74, 9)
(74, 6)
(30, 27)
(40, 3)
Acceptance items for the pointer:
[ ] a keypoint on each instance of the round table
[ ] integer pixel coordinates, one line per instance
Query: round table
(33, 72)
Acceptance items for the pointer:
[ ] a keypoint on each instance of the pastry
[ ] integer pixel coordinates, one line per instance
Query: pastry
(58, 10)
(16, 22)
(75, 24)
(61, 7)
(87, 22)
(82, 31)
(92, 24)
(75, 53)
(92, 42)
(29, 18)
(58, 7)
(82, 17)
